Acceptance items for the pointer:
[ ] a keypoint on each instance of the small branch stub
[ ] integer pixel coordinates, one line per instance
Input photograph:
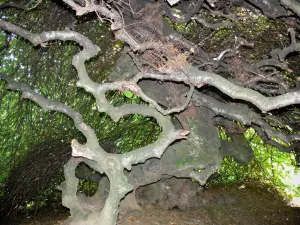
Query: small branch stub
(182, 134)
(173, 2)
(77, 150)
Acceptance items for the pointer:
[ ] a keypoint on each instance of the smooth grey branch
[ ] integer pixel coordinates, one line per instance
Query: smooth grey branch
(200, 78)
(52, 105)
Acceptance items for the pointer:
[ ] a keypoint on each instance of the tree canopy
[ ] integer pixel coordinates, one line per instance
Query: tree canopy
(145, 91)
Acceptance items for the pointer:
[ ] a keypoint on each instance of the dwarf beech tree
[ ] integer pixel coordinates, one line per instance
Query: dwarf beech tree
(190, 86)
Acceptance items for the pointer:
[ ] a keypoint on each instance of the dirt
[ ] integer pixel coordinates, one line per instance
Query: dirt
(240, 204)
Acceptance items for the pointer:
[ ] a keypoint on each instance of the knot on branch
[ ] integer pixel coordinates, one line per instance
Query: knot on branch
(113, 164)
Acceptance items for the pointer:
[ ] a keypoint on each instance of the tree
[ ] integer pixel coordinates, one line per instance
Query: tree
(168, 70)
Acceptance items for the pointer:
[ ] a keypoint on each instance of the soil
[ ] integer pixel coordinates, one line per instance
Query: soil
(240, 204)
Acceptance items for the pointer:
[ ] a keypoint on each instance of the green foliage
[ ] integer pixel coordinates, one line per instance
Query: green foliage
(222, 134)
(269, 165)
(247, 25)
(131, 131)
(49, 71)
(128, 94)
(87, 188)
